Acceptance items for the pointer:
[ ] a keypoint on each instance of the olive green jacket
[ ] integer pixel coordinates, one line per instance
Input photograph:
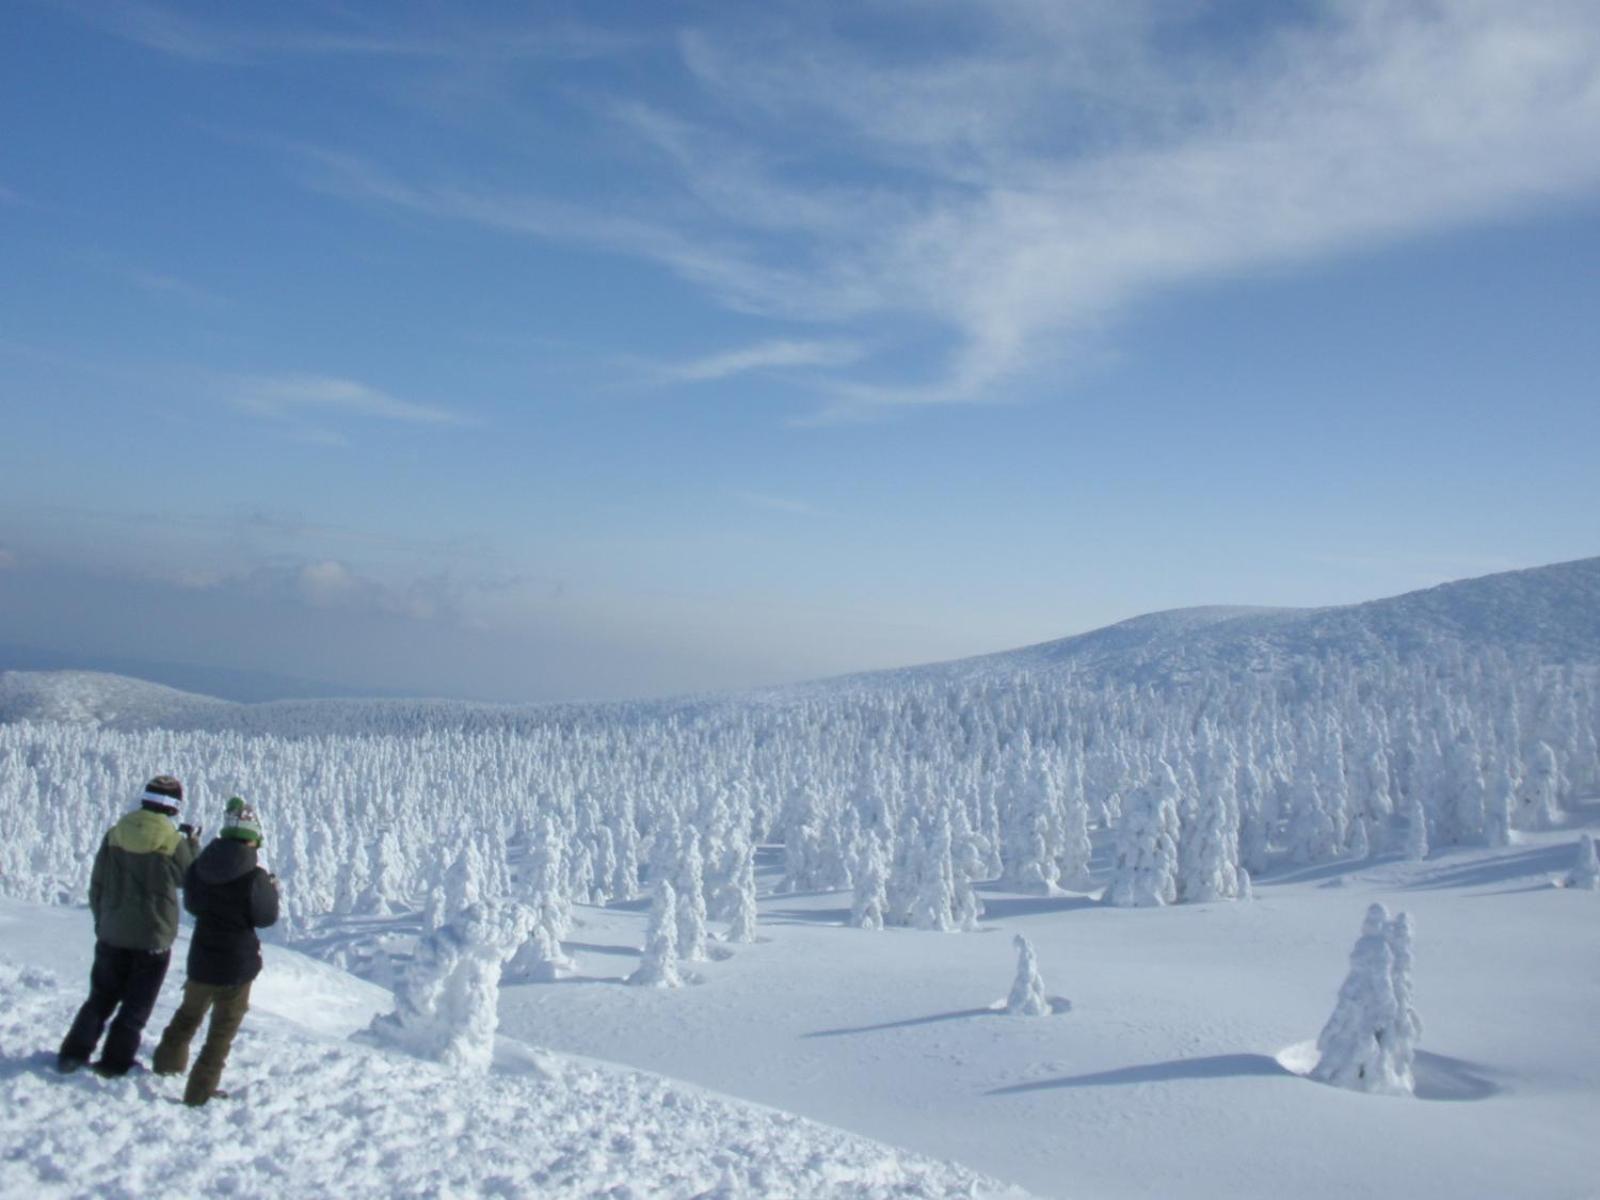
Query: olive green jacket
(133, 890)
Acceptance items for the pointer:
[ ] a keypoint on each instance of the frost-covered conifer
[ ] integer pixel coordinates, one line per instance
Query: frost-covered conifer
(690, 888)
(1359, 1047)
(1147, 845)
(934, 906)
(1540, 787)
(1360, 848)
(871, 899)
(1076, 849)
(1313, 832)
(541, 957)
(447, 1003)
(1027, 997)
(659, 966)
(1212, 870)
(1401, 1043)
(1586, 874)
(1500, 806)
(1417, 832)
(741, 891)
(1464, 765)
(463, 883)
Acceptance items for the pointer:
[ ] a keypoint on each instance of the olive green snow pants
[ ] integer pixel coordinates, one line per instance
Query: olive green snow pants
(228, 1006)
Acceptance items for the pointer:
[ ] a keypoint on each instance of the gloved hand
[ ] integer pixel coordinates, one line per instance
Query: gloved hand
(192, 832)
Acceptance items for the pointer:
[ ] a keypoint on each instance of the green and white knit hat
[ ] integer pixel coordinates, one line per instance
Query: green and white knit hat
(240, 821)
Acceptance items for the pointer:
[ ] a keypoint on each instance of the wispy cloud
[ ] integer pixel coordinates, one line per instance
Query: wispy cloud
(1063, 164)
(340, 34)
(295, 397)
(780, 354)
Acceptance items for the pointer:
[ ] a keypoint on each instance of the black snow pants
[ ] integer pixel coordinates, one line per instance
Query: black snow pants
(125, 982)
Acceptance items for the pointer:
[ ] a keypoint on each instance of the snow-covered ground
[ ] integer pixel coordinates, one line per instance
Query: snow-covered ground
(1164, 1078)
(315, 1114)
(1193, 745)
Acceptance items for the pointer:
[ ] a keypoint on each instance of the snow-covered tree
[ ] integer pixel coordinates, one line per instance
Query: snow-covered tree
(1401, 1043)
(1147, 845)
(1537, 807)
(1500, 807)
(1417, 832)
(1586, 874)
(1027, 990)
(1211, 871)
(871, 871)
(447, 1002)
(1364, 1045)
(690, 887)
(659, 966)
(741, 897)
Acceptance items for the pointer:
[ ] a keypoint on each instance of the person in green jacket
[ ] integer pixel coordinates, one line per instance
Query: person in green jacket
(133, 893)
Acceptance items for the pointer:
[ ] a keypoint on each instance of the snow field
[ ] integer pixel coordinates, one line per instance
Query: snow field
(315, 1114)
(1164, 1077)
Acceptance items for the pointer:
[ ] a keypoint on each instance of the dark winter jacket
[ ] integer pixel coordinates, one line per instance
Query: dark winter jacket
(133, 889)
(231, 897)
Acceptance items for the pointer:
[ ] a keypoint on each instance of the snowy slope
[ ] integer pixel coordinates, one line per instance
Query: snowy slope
(1550, 613)
(316, 1114)
(1164, 1077)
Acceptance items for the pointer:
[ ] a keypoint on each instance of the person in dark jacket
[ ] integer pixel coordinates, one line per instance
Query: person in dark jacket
(231, 896)
(133, 893)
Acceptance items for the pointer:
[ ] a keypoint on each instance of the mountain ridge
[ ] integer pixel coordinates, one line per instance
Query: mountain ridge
(1549, 613)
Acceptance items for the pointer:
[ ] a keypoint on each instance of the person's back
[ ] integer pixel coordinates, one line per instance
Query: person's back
(231, 896)
(133, 894)
(133, 890)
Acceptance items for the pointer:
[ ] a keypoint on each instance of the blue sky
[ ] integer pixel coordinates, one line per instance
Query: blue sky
(605, 350)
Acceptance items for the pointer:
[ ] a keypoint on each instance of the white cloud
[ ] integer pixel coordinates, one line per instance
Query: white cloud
(1065, 163)
(283, 397)
(764, 356)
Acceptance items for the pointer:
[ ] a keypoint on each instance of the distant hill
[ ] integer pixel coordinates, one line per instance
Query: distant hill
(1550, 613)
(231, 683)
(1547, 614)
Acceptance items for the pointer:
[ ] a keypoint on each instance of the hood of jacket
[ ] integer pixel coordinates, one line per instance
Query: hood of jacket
(145, 832)
(225, 860)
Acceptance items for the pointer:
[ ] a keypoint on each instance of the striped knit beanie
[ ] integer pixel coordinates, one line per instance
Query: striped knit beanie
(163, 794)
(240, 821)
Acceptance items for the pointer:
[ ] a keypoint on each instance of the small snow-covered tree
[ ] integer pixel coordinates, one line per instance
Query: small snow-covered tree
(935, 903)
(1147, 845)
(740, 901)
(1540, 787)
(690, 887)
(871, 872)
(1586, 874)
(659, 966)
(1417, 832)
(1027, 997)
(1361, 1046)
(1211, 872)
(1500, 806)
(1076, 849)
(541, 958)
(447, 1002)
(1401, 1043)
(464, 882)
